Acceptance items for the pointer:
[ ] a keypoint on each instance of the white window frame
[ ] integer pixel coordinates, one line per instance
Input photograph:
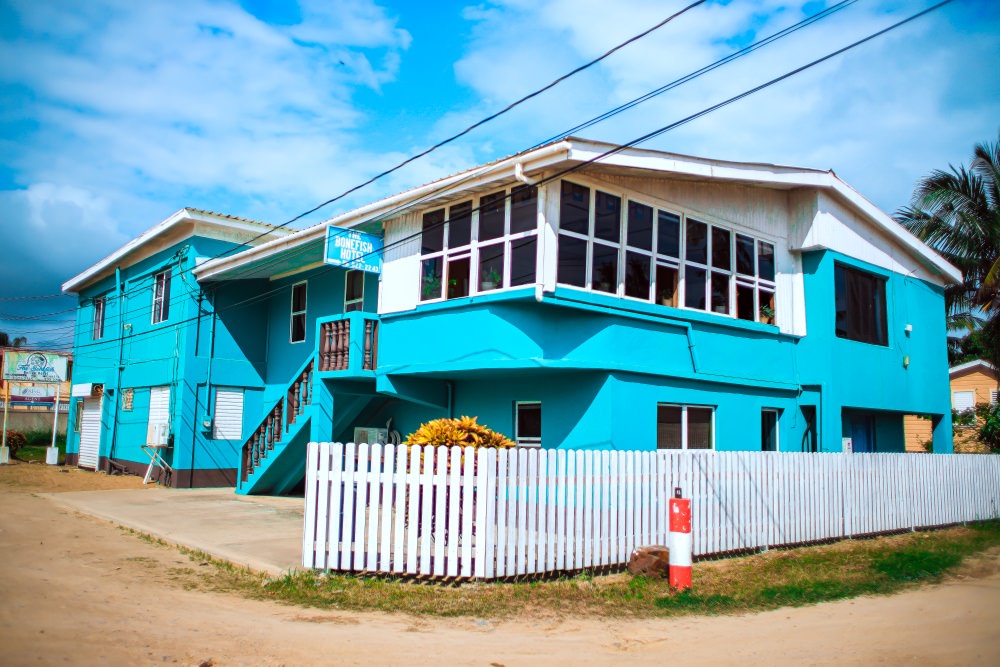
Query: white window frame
(100, 306)
(472, 250)
(351, 305)
(684, 424)
(968, 395)
(762, 287)
(994, 395)
(294, 313)
(161, 297)
(527, 441)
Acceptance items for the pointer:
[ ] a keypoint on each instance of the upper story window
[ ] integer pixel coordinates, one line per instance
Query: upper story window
(298, 314)
(860, 305)
(354, 291)
(100, 303)
(612, 244)
(467, 250)
(161, 296)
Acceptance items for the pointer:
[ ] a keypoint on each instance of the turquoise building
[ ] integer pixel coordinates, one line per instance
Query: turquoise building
(570, 296)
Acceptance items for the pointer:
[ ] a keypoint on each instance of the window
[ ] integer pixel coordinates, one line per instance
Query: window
(994, 394)
(468, 250)
(298, 323)
(227, 423)
(769, 430)
(963, 400)
(613, 244)
(97, 332)
(354, 291)
(528, 423)
(860, 305)
(161, 297)
(684, 427)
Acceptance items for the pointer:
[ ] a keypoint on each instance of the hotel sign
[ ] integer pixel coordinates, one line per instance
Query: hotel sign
(34, 367)
(353, 250)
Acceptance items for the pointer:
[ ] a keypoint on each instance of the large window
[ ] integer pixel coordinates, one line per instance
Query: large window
(860, 305)
(100, 303)
(528, 423)
(609, 243)
(684, 427)
(354, 291)
(467, 249)
(161, 296)
(298, 313)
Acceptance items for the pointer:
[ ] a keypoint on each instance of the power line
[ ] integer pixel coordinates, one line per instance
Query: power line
(475, 125)
(614, 150)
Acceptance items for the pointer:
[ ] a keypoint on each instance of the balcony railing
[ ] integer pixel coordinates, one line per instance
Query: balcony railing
(349, 342)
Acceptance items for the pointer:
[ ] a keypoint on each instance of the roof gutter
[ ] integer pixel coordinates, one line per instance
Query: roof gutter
(365, 213)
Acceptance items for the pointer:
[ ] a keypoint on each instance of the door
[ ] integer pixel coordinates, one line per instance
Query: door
(90, 432)
(159, 412)
(863, 433)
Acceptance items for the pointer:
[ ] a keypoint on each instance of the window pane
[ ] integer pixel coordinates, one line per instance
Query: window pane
(668, 427)
(523, 209)
(694, 288)
(605, 274)
(355, 285)
(433, 234)
(458, 278)
(744, 255)
(637, 275)
(572, 268)
(861, 308)
(720, 293)
(430, 279)
(640, 226)
(299, 297)
(666, 285)
(574, 208)
(765, 260)
(460, 224)
(298, 328)
(491, 267)
(608, 217)
(529, 422)
(721, 252)
(668, 234)
(744, 302)
(697, 242)
(768, 430)
(491, 212)
(522, 261)
(699, 428)
(766, 307)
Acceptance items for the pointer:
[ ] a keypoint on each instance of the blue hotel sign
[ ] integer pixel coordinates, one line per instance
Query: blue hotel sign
(353, 249)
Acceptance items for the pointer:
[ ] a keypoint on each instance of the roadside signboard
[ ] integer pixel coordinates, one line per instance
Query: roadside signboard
(353, 250)
(34, 367)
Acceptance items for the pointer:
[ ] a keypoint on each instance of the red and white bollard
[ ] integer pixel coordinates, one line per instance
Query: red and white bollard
(680, 541)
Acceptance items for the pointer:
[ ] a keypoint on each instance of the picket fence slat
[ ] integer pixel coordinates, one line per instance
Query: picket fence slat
(490, 514)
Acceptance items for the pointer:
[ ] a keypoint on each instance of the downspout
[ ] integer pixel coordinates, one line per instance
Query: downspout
(208, 380)
(121, 365)
(450, 386)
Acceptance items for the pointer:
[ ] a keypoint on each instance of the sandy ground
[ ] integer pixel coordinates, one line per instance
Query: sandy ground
(78, 591)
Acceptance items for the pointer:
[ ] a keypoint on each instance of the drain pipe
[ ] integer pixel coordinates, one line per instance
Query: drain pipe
(519, 175)
(120, 286)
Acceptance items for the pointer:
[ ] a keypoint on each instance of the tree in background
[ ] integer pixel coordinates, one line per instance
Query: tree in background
(7, 341)
(957, 213)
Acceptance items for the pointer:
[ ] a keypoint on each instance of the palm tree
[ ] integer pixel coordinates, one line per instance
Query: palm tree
(957, 213)
(7, 341)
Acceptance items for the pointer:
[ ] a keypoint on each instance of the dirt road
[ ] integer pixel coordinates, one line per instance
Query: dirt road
(78, 591)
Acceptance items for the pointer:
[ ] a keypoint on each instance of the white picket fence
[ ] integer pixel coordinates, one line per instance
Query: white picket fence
(501, 513)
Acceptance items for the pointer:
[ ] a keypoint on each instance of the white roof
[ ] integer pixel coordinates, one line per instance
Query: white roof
(180, 225)
(975, 364)
(575, 152)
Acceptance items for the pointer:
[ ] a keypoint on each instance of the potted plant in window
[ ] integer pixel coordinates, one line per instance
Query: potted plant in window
(491, 279)
(430, 288)
(766, 314)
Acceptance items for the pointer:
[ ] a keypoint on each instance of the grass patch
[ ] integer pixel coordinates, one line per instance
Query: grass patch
(759, 582)
(36, 445)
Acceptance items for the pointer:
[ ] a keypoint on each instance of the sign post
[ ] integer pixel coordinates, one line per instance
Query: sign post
(28, 366)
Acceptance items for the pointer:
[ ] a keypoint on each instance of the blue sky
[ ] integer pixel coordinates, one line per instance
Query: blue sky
(114, 114)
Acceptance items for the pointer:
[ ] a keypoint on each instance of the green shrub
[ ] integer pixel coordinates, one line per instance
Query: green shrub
(15, 441)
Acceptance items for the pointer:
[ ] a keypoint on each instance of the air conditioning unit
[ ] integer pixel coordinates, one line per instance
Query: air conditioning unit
(158, 434)
(370, 435)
